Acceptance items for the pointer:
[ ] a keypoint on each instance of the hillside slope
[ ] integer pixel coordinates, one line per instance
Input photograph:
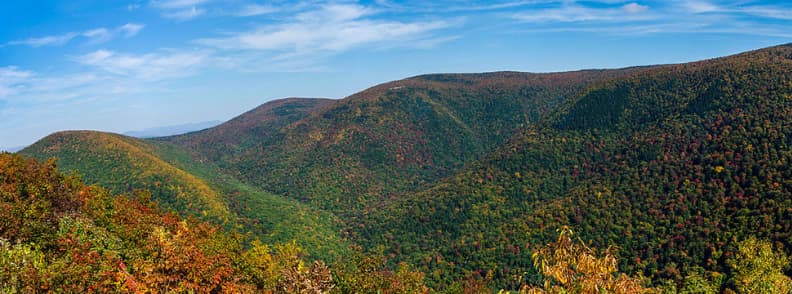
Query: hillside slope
(59, 235)
(123, 165)
(247, 133)
(674, 165)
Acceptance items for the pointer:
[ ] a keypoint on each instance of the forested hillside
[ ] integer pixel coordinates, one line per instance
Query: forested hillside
(681, 171)
(125, 165)
(674, 165)
(59, 235)
(384, 141)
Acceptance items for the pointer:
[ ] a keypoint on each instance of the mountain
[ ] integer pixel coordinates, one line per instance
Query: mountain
(674, 165)
(393, 138)
(172, 130)
(675, 168)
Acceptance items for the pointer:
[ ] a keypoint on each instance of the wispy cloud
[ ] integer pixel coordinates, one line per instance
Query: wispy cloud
(131, 29)
(572, 12)
(655, 17)
(177, 3)
(25, 87)
(151, 66)
(774, 12)
(46, 40)
(255, 9)
(330, 28)
(12, 80)
(421, 6)
(180, 9)
(96, 35)
(184, 14)
(700, 6)
(634, 8)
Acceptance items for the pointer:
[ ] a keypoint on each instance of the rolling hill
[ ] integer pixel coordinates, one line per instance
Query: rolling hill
(124, 165)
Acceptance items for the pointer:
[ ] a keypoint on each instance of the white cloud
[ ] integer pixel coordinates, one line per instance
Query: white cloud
(331, 28)
(180, 9)
(568, 13)
(634, 8)
(12, 80)
(571, 12)
(45, 41)
(177, 3)
(151, 66)
(677, 16)
(131, 29)
(700, 7)
(783, 13)
(255, 9)
(184, 14)
(96, 35)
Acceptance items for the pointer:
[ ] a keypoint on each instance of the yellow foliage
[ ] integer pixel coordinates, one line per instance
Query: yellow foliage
(571, 267)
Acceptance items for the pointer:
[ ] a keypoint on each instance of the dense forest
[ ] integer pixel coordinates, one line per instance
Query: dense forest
(458, 183)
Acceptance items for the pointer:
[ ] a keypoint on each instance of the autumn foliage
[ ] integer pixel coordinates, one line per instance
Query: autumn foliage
(569, 266)
(59, 235)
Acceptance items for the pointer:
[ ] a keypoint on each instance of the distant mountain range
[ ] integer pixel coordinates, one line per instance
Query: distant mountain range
(12, 149)
(172, 130)
(462, 176)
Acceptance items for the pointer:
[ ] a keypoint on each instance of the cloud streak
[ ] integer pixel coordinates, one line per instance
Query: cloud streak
(46, 41)
(150, 67)
(181, 10)
(12, 80)
(255, 9)
(330, 28)
(656, 17)
(96, 35)
(571, 12)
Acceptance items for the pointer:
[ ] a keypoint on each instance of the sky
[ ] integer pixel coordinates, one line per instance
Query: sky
(115, 65)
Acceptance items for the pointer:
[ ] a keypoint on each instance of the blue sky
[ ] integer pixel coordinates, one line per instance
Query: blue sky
(118, 66)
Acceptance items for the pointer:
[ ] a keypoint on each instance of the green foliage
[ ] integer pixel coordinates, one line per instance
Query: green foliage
(369, 274)
(20, 267)
(669, 184)
(701, 282)
(759, 269)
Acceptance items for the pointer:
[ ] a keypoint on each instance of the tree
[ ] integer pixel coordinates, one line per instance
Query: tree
(758, 268)
(569, 266)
